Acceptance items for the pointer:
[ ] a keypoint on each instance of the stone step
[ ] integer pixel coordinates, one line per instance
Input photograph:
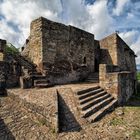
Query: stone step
(35, 73)
(103, 111)
(93, 78)
(90, 111)
(94, 101)
(82, 101)
(38, 77)
(42, 85)
(87, 90)
(92, 81)
(40, 81)
(90, 93)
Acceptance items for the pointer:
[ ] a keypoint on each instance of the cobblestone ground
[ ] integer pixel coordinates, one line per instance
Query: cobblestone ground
(17, 122)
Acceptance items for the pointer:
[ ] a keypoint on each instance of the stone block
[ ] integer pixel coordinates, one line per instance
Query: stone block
(26, 82)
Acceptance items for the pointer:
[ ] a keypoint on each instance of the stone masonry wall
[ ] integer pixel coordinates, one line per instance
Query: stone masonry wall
(65, 53)
(120, 84)
(2, 68)
(51, 44)
(126, 86)
(109, 50)
(82, 48)
(2, 49)
(126, 57)
(55, 42)
(33, 49)
(114, 51)
(67, 43)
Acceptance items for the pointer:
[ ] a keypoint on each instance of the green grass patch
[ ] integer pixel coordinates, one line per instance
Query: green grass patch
(138, 75)
(117, 121)
(136, 134)
(43, 121)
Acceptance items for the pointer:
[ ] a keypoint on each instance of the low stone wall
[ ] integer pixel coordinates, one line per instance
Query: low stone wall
(120, 84)
(2, 78)
(42, 102)
(126, 86)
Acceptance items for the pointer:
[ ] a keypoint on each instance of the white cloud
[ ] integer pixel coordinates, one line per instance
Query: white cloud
(6, 32)
(100, 23)
(120, 4)
(21, 13)
(129, 36)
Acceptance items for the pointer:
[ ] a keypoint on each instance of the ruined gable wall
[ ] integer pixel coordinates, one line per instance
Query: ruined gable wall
(126, 57)
(109, 50)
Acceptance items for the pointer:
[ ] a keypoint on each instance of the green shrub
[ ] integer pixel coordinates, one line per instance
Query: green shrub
(11, 49)
(138, 75)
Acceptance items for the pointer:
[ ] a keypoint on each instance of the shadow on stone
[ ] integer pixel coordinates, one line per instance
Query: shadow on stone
(3, 93)
(5, 133)
(67, 121)
(134, 101)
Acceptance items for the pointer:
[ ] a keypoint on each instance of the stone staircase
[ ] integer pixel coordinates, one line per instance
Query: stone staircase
(94, 103)
(93, 78)
(23, 62)
(39, 80)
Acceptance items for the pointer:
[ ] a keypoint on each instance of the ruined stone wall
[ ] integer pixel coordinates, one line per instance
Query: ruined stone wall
(33, 49)
(108, 80)
(126, 86)
(66, 52)
(109, 50)
(126, 57)
(82, 48)
(67, 43)
(55, 42)
(50, 43)
(120, 84)
(2, 49)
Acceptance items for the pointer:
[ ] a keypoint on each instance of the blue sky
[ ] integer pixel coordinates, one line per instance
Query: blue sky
(100, 17)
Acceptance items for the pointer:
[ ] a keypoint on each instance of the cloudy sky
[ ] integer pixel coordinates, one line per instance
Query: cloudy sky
(100, 17)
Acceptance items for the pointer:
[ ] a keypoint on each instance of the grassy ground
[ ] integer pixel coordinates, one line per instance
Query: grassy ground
(130, 118)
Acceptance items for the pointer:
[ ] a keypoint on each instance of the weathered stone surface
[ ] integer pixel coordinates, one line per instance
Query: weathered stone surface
(25, 82)
(2, 78)
(60, 50)
(120, 84)
(65, 54)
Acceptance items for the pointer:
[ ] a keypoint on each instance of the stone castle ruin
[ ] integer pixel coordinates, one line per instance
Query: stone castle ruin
(57, 54)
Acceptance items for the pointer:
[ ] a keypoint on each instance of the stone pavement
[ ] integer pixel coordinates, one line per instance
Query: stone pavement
(20, 123)
(16, 122)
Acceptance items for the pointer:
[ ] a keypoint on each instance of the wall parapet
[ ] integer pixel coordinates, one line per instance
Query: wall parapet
(120, 84)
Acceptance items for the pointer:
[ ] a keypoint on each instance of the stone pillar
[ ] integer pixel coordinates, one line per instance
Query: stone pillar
(2, 68)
